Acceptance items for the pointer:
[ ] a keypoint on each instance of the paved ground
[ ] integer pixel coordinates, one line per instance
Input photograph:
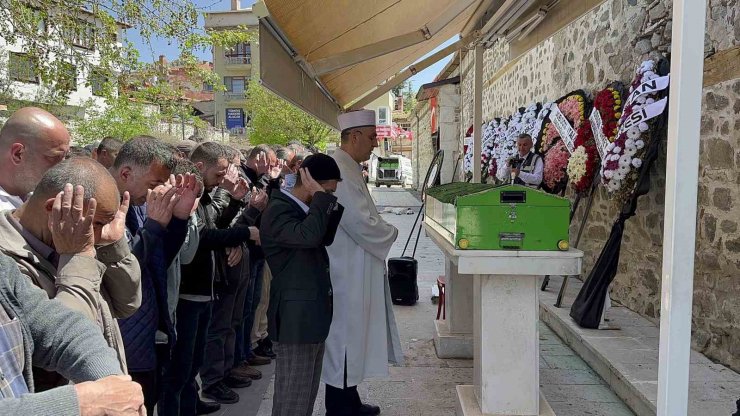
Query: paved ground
(425, 385)
(628, 357)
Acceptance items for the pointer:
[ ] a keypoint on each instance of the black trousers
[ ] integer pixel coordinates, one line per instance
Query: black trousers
(148, 381)
(342, 402)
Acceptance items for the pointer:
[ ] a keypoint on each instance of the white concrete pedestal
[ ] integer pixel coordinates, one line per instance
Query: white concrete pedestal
(467, 405)
(506, 326)
(453, 337)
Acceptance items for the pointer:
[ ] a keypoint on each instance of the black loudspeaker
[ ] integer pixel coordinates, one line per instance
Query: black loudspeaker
(402, 273)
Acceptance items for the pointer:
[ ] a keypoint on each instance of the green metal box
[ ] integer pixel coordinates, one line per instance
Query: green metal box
(507, 217)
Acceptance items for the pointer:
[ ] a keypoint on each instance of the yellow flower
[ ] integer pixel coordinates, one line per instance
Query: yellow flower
(617, 115)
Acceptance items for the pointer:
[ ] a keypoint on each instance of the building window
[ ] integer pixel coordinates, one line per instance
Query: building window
(83, 34)
(97, 82)
(67, 80)
(383, 116)
(208, 87)
(235, 84)
(21, 68)
(241, 53)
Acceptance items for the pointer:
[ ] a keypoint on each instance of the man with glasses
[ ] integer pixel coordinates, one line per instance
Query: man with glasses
(32, 141)
(363, 337)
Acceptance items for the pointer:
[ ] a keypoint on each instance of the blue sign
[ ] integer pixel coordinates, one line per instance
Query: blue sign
(234, 118)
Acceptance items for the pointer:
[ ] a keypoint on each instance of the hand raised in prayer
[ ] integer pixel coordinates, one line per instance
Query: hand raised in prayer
(258, 199)
(275, 171)
(309, 183)
(261, 163)
(116, 229)
(160, 202)
(188, 189)
(236, 186)
(71, 229)
(231, 178)
(110, 396)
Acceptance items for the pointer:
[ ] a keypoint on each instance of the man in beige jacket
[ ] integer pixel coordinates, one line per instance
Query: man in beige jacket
(74, 247)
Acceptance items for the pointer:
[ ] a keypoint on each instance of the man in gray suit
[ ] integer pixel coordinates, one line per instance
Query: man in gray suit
(297, 225)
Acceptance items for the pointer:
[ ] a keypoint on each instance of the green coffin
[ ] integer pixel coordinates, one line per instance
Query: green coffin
(507, 217)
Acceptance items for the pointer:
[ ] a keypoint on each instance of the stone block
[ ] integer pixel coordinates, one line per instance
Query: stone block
(728, 226)
(710, 227)
(657, 12)
(733, 246)
(450, 345)
(643, 46)
(715, 101)
(720, 154)
(722, 199)
(467, 404)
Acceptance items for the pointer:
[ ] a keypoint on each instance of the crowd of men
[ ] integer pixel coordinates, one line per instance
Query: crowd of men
(141, 275)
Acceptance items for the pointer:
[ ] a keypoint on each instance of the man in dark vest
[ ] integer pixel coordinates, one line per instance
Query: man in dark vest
(297, 226)
(527, 167)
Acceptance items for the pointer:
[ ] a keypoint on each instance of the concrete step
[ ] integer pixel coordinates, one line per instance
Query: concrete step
(627, 358)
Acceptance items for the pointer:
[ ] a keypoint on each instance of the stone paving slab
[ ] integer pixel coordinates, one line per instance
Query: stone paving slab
(393, 197)
(628, 358)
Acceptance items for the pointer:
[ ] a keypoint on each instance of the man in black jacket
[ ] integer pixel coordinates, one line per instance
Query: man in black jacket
(180, 392)
(297, 226)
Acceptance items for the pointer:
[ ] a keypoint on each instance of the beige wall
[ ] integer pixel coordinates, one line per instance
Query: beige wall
(230, 20)
(423, 149)
(605, 45)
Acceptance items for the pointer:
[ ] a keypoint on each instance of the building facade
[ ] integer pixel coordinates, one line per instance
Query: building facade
(236, 66)
(20, 79)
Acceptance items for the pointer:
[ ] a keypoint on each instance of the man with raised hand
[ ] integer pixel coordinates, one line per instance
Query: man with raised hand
(180, 391)
(157, 226)
(73, 246)
(297, 226)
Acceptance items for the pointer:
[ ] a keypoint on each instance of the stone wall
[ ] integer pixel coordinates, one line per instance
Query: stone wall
(606, 45)
(423, 148)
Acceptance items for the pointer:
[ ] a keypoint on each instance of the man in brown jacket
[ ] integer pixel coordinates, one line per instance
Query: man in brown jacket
(74, 247)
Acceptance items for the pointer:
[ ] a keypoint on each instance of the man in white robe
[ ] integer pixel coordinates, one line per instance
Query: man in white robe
(363, 337)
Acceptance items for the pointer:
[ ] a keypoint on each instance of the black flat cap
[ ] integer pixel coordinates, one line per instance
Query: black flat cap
(322, 167)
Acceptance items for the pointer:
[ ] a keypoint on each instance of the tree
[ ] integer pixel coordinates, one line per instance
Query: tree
(121, 118)
(275, 121)
(409, 97)
(63, 38)
(398, 89)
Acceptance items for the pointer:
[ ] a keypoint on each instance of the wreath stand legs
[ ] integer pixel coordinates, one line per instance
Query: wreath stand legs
(581, 227)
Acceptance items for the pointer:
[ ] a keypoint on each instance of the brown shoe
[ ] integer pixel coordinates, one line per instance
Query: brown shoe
(258, 360)
(245, 371)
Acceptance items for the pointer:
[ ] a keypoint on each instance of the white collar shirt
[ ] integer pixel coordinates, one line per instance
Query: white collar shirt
(8, 201)
(300, 203)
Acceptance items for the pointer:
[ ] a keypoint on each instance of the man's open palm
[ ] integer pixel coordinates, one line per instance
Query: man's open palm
(115, 230)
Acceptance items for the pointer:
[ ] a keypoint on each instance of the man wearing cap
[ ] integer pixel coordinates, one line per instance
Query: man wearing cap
(297, 226)
(363, 338)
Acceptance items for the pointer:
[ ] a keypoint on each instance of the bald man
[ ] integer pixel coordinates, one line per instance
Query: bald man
(31, 142)
(74, 246)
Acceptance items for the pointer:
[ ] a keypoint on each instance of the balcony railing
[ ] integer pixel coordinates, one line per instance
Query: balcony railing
(238, 60)
(234, 96)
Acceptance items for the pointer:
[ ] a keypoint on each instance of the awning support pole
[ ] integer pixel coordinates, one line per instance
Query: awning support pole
(477, 113)
(684, 119)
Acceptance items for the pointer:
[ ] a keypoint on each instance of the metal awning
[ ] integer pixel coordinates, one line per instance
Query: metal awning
(343, 54)
(345, 49)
